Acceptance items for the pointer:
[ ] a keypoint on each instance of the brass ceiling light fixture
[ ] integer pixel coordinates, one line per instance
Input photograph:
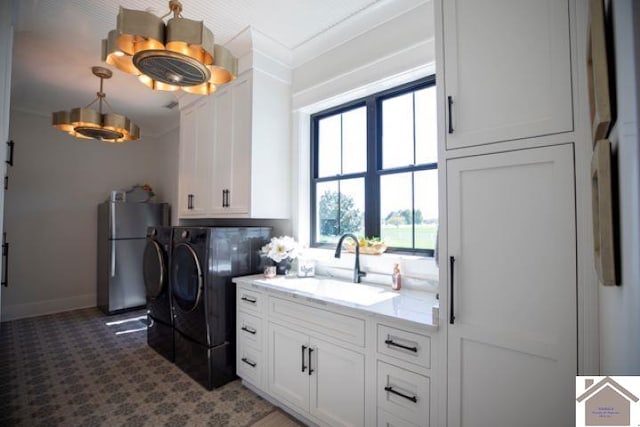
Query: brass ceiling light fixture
(179, 55)
(88, 123)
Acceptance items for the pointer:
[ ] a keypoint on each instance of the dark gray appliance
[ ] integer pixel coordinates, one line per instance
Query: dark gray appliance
(155, 271)
(203, 261)
(122, 233)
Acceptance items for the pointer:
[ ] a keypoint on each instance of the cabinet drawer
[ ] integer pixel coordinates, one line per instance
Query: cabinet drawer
(404, 345)
(346, 328)
(386, 419)
(249, 300)
(249, 363)
(404, 394)
(250, 329)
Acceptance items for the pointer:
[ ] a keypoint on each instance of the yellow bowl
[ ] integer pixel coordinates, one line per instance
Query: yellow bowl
(374, 249)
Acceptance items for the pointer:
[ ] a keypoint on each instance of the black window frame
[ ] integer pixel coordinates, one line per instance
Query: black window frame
(374, 170)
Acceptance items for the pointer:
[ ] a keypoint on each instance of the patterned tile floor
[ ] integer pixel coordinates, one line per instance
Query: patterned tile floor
(82, 368)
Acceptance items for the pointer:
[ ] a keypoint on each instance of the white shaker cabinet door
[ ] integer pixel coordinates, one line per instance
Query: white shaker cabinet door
(222, 136)
(507, 70)
(512, 341)
(337, 384)
(242, 153)
(288, 364)
(196, 146)
(187, 162)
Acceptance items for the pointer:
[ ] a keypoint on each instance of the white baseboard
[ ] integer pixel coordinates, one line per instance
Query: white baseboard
(39, 308)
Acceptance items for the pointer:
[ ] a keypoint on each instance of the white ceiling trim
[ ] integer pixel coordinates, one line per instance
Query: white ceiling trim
(355, 25)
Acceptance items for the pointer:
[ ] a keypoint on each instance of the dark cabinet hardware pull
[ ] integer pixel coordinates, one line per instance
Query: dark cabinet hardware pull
(452, 317)
(11, 144)
(249, 362)
(251, 331)
(190, 201)
(6, 182)
(225, 198)
(5, 259)
(304, 347)
(414, 399)
(310, 370)
(450, 102)
(252, 301)
(395, 344)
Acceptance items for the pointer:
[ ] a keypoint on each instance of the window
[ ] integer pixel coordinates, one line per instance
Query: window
(374, 169)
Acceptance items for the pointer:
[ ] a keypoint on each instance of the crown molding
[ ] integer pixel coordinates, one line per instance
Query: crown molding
(364, 21)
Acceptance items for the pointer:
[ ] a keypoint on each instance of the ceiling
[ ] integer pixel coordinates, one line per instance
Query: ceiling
(56, 42)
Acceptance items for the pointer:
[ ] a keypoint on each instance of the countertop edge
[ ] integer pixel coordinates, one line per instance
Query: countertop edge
(259, 281)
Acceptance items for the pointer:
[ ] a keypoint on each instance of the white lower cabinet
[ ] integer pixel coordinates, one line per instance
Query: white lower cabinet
(403, 373)
(334, 366)
(385, 419)
(316, 376)
(249, 364)
(404, 393)
(250, 336)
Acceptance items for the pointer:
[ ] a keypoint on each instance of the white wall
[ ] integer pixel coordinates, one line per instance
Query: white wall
(55, 186)
(398, 50)
(619, 305)
(165, 172)
(392, 48)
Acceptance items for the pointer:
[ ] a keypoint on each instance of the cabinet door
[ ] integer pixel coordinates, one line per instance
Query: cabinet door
(187, 161)
(512, 346)
(204, 153)
(507, 69)
(241, 150)
(232, 154)
(222, 135)
(337, 384)
(196, 146)
(288, 366)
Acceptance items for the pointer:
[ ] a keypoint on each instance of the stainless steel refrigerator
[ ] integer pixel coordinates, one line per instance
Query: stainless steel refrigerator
(122, 229)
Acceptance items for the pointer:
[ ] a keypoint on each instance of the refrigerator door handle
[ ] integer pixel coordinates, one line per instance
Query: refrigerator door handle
(113, 220)
(113, 258)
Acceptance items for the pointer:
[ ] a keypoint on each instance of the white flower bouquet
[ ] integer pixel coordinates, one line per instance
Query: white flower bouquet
(283, 248)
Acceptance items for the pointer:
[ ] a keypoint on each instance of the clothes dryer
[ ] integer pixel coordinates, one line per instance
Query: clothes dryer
(155, 269)
(203, 262)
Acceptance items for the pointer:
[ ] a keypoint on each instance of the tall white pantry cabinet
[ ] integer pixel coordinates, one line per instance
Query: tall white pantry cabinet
(509, 285)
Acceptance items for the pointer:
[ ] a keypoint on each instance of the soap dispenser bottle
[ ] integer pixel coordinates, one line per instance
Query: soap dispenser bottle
(396, 278)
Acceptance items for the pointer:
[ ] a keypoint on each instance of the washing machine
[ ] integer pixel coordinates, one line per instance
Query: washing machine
(155, 269)
(203, 262)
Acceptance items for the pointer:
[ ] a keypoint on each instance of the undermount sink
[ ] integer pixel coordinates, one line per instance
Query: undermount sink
(336, 290)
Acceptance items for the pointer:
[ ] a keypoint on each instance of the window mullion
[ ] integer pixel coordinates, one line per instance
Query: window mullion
(372, 179)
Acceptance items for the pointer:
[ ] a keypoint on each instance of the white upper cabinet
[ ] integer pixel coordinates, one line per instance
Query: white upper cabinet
(195, 172)
(507, 70)
(234, 151)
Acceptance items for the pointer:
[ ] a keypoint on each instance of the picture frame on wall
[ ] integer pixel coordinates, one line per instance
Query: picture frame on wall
(604, 249)
(598, 73)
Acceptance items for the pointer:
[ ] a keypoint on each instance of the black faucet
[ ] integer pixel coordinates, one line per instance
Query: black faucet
(357, 274)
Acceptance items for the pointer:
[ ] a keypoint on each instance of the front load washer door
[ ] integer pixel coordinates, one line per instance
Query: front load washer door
(187, 280)
(154, 269)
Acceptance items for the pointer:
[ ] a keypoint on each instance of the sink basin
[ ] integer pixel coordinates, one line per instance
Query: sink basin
(338, 290)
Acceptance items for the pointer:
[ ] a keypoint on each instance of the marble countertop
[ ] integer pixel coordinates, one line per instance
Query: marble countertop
(408, 305)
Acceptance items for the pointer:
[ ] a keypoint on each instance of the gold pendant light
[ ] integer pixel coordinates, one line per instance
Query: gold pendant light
(179, 55)
(88, 123)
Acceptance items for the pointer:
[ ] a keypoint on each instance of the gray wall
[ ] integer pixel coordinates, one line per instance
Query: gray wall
(619, 313)
(51, 209)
